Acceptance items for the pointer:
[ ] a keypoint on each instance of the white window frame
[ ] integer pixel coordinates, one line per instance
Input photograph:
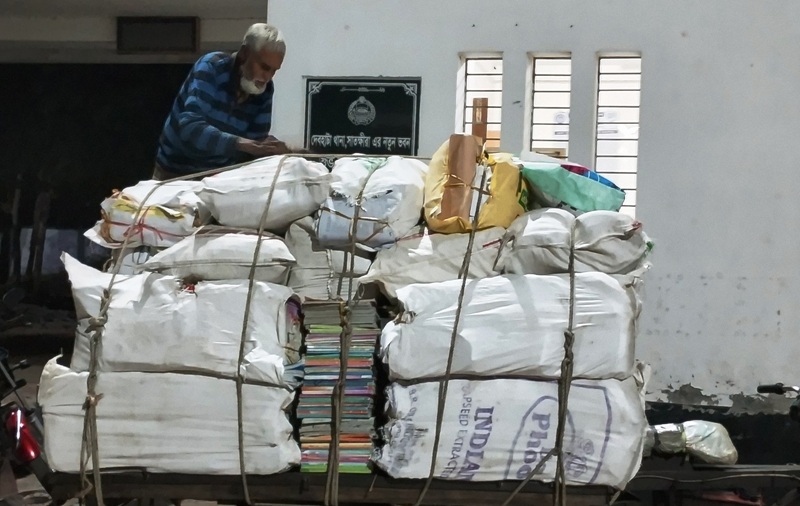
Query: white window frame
(462, 119)
(530, 108)
(619, 175)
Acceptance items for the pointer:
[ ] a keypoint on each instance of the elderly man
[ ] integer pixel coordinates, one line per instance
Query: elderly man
(222, 114)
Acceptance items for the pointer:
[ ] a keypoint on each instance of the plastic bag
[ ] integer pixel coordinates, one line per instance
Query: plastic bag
(707, 441)
(555, 183)
(453, 187)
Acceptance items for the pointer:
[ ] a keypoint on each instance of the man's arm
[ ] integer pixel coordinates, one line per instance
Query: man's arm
(268, 146)
(206, 139)
(194, 128)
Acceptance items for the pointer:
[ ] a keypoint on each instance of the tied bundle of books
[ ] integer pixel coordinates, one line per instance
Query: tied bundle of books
(322, 371)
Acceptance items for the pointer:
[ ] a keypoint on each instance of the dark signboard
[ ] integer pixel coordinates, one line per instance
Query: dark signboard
(346, 115)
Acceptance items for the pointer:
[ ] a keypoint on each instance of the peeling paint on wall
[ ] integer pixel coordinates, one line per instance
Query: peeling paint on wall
(759, 404)
(693, 399)
(690, 395)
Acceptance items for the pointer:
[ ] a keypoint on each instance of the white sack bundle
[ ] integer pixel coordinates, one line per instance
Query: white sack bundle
(158, 324)
(171, 213)
(317, 271)
(167, 423)
(514, 325)
(215, 253)
(431, 258)
(501, 429)
(392, 199)
(238, 197)
(605, 241)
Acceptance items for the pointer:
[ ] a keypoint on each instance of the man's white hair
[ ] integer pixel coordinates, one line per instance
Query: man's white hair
(263, 36)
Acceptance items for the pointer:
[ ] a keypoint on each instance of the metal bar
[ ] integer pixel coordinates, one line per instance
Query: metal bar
(615, 105)
(601, 75)
(464, 111)
(634, 90)
(552, 142)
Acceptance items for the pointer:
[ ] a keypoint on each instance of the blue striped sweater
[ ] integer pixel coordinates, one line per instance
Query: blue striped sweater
(201, 130)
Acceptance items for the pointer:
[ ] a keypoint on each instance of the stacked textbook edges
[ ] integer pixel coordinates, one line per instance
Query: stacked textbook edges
(322, 370)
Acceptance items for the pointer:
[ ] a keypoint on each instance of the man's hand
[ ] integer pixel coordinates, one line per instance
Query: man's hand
(266, 147)
(275, 146)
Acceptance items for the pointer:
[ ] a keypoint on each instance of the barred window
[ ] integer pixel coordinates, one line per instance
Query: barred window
(483, 99)
(617, 134)
(552, 84)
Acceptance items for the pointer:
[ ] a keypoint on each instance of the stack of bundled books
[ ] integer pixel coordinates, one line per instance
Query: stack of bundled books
(322, 371)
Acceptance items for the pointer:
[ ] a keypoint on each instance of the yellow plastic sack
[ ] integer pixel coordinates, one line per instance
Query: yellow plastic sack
(451, 188)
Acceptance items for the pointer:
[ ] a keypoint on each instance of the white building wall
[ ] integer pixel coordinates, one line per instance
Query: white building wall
(717, 162)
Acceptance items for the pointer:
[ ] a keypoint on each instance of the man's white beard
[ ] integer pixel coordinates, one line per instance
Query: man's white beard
(250, 87)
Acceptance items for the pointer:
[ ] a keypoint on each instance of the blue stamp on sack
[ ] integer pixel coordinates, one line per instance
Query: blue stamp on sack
(536, 436)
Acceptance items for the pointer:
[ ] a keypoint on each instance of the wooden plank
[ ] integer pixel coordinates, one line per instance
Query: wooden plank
(480, 113)
(298, 488)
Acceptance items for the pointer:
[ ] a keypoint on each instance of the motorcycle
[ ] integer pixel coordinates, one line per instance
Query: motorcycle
(21, 431)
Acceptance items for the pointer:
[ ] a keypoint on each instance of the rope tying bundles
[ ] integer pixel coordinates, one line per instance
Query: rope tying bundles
(444, 383)
(345, 341)
(564, 383)
(345, 312)
(89, 442)
(240, 379)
